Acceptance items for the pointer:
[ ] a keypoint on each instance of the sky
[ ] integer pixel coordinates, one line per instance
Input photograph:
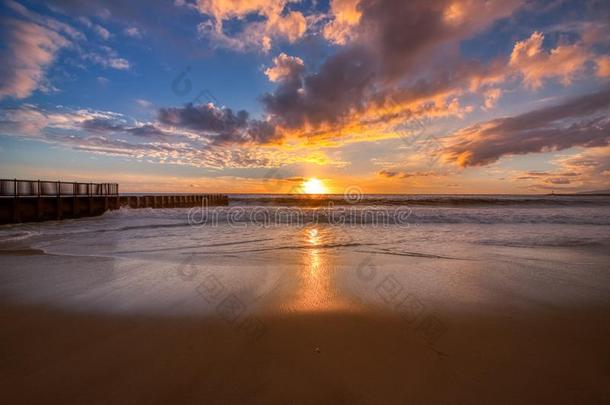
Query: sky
(237, 96)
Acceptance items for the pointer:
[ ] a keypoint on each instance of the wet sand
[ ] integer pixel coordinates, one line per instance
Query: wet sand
(531, 349)
(51, 356)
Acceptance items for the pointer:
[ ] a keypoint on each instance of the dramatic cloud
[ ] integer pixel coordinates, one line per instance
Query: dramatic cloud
(116, 125)
(385, 69)
(32, 43)
(277, 23)
(32, 121)
(385, 75)
(556, 178)
(491, 98)
(404, 175)
(582, 121)
(204, 117)
(23, 122)
(535, 64)
(221, 125)
(588, 170)
(603, 66)
(391, 73)
(285, 67)
(29, 49)
(324, 97)
(346, 17)
(109, 133)
(591, 165)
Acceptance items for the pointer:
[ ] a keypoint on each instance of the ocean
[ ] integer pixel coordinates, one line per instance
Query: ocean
(260, 241)
(385, 221)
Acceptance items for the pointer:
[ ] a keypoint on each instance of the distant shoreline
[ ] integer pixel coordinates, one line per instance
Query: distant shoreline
(581, 195)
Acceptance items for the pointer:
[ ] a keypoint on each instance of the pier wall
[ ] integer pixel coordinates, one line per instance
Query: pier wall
(44, 208)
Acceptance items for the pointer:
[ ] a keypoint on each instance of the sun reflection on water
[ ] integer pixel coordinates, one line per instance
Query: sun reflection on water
(316, 291)
(314, 254)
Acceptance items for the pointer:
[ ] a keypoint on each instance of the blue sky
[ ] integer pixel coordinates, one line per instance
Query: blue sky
(389, 96)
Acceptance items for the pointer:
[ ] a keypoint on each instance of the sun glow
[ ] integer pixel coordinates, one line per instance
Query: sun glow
(314, 186)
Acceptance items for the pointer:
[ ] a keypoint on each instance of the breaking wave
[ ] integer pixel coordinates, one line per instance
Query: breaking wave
(304, 200)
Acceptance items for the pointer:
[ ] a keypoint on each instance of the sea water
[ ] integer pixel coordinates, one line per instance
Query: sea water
(314, 253)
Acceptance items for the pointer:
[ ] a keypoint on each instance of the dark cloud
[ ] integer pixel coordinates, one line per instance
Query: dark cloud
(204, 117)
(220, 125)
(324, 97)
(217, 126)
(102, 125)
(536, 175)
(108, 125)
(589, 170)
(263, 132)
(404, 175)
(551, 178)
(581, 121)
(148, 131)
(557, 180)
(397, 43)
(104, 132)
(388, 173)
(403, 51)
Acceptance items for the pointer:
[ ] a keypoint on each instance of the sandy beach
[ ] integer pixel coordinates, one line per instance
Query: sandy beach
(318, 324)
(59, 357)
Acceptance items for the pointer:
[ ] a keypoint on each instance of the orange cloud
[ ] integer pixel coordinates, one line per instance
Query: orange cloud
(587, 170)
(603, 66)
(291, 26)
(284, 66)
(535, 65)
(491, 97)
(346, 17)
(580, 121)
(277, 24)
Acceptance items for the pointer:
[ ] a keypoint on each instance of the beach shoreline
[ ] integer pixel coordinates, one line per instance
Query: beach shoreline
(58, 349)
(65, 357)
(467, 306)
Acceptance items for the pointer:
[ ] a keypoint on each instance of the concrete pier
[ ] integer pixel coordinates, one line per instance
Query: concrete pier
(27, 200)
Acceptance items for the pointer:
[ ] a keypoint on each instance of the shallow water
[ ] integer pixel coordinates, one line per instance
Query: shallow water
(483, 254)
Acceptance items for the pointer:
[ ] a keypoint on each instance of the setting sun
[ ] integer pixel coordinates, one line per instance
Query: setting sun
(334, 187)
(314, 186)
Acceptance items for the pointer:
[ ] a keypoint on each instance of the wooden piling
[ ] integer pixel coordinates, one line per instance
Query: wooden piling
(36, 200)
